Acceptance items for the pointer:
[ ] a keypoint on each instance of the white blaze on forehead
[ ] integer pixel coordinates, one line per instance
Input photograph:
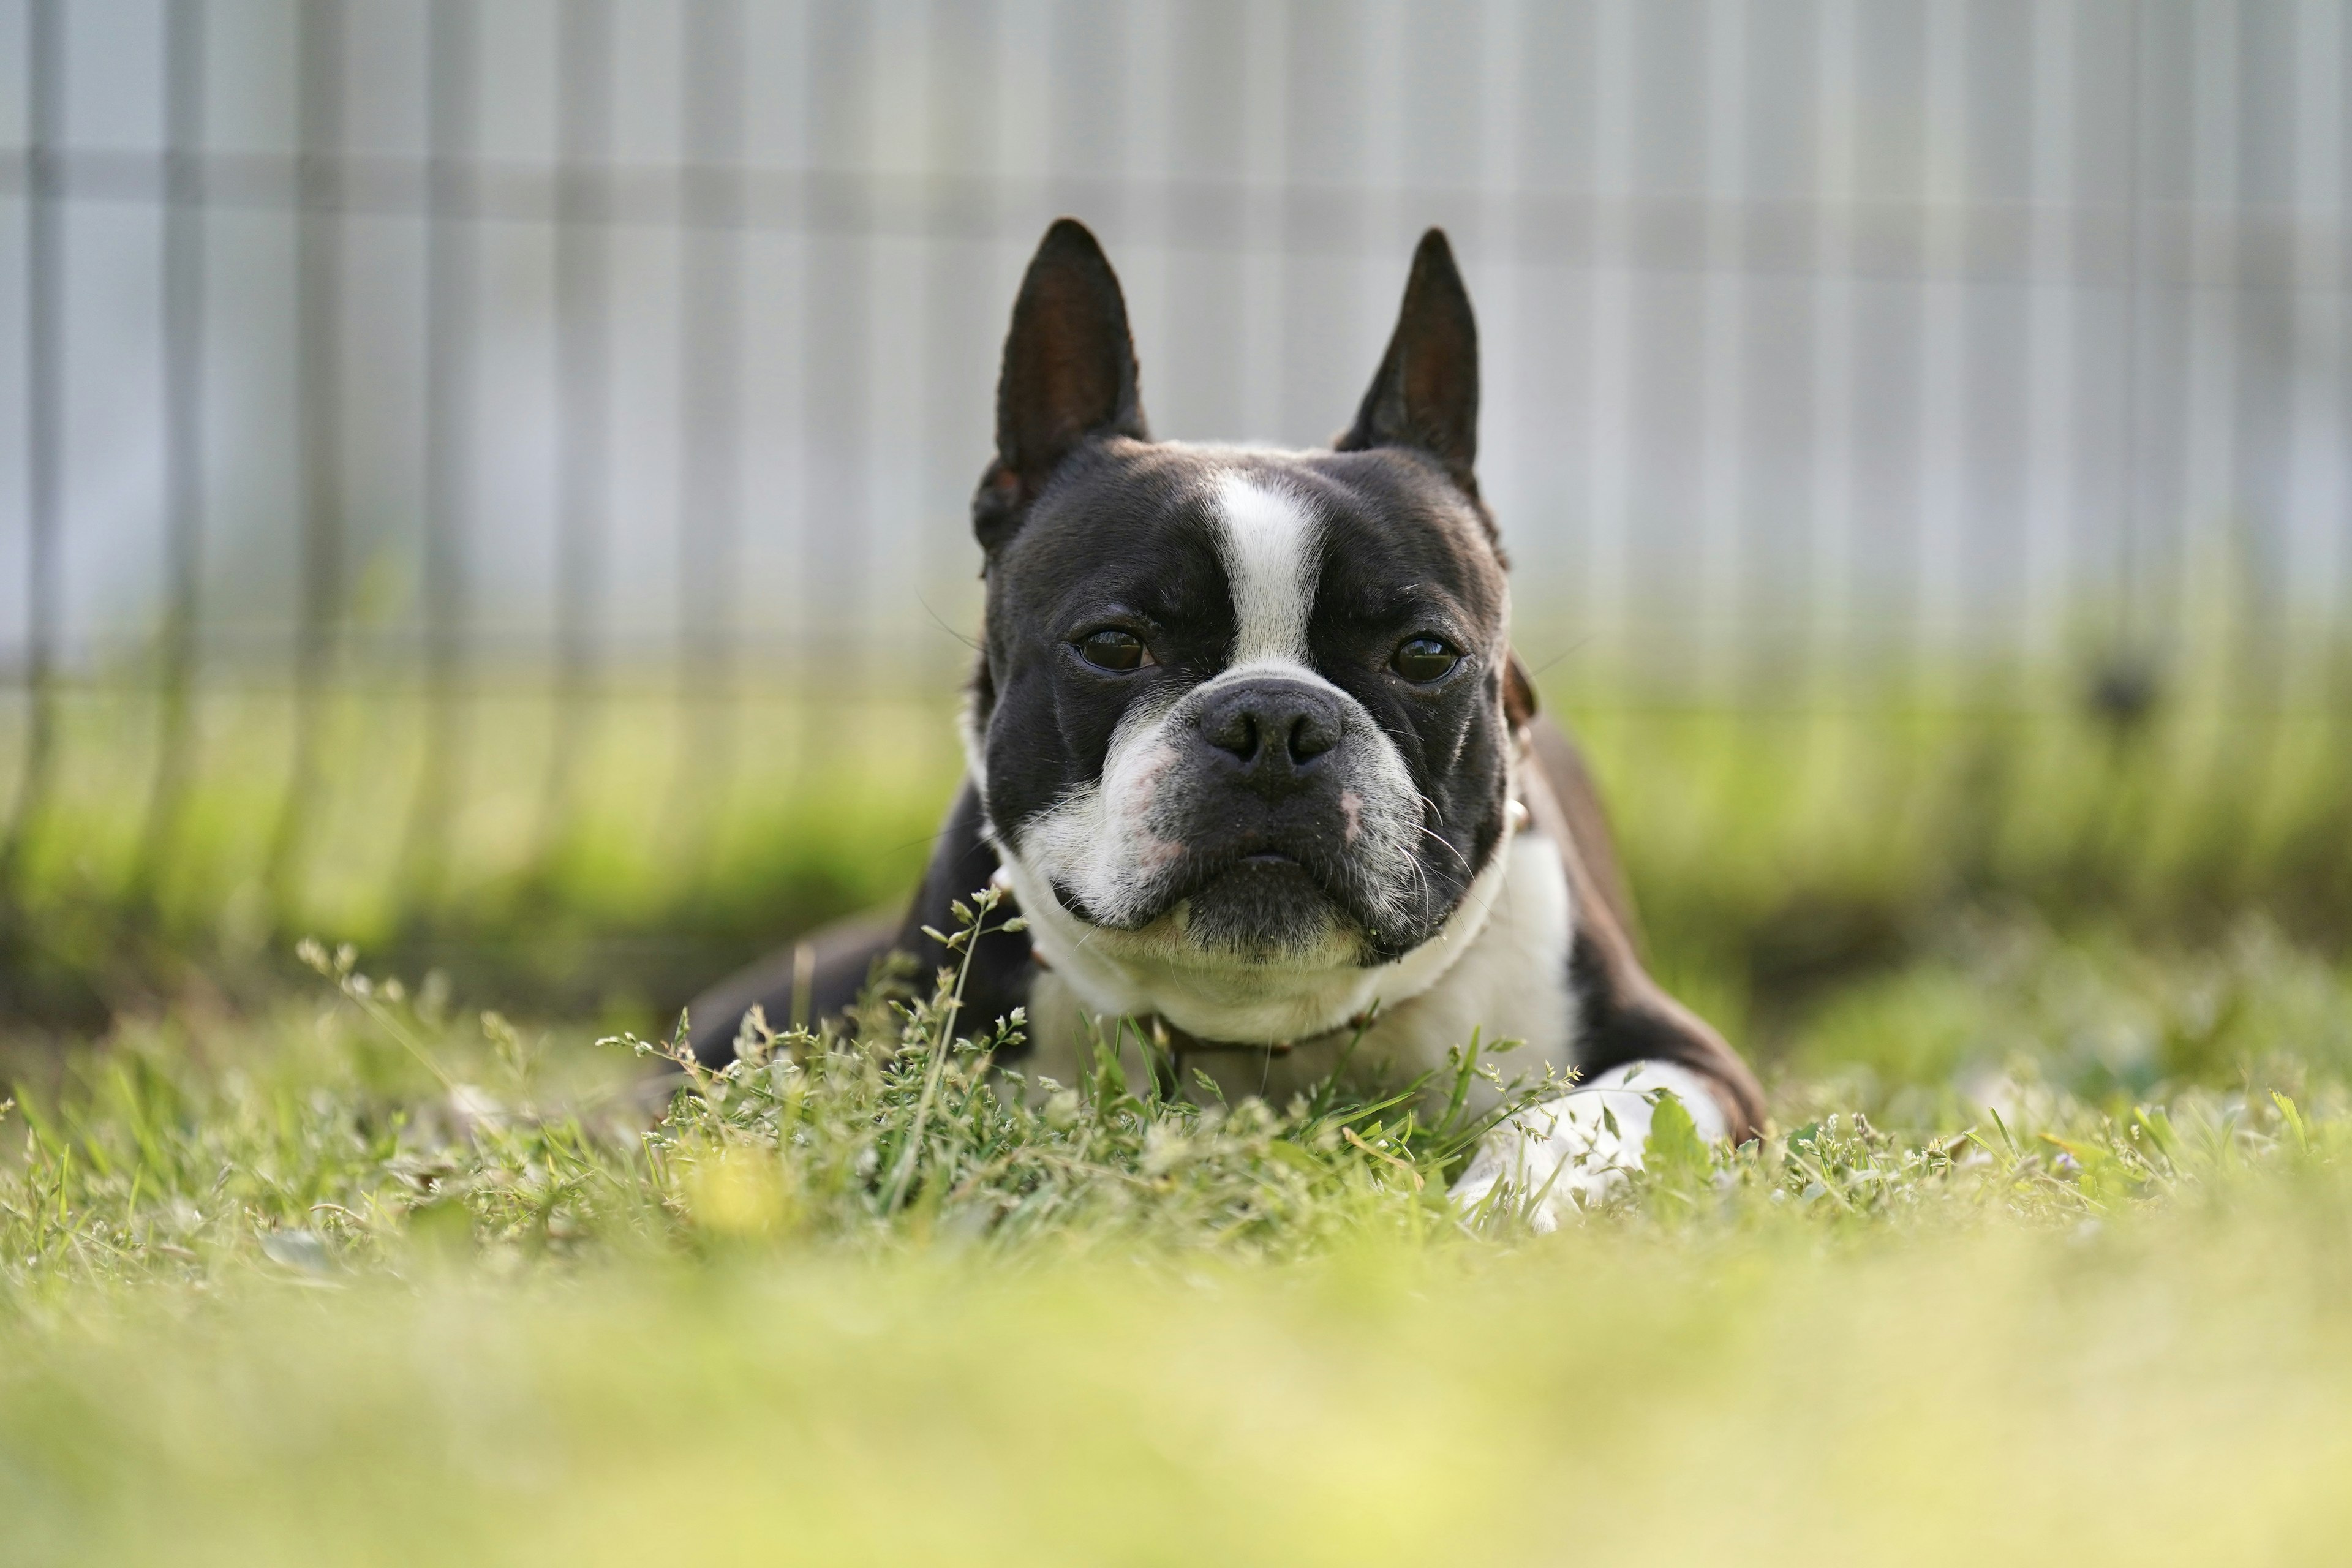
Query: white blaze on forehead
(1271, 548)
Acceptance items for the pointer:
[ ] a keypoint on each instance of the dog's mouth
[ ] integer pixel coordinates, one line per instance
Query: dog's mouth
(1259, 899)
(1197, 872)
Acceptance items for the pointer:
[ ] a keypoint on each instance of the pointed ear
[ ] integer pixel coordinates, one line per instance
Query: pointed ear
(1425, 394)
(1068, 376)
(1519, 702)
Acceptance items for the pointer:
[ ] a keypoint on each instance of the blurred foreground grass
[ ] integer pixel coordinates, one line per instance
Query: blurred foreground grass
(371, 1279)
(2169, 1389)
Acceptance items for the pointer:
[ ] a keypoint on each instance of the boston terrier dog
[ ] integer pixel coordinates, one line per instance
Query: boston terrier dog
(1248, 747)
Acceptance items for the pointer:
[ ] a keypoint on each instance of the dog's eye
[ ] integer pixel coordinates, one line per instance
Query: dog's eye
(1114, 650)
(1425, 659)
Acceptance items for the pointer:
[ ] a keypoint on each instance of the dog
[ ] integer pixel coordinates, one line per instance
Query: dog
(1247, 746)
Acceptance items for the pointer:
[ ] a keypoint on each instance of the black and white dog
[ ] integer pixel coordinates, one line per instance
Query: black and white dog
(1248, 746)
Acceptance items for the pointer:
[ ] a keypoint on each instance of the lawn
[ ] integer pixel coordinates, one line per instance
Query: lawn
(2067, 1272)
(2049, 1252)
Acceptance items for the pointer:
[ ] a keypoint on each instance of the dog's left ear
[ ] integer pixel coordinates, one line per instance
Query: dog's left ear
(1069, 375)
(1425, 394)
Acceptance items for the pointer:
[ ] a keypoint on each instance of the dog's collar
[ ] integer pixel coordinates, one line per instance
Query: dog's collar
(1175, 1040)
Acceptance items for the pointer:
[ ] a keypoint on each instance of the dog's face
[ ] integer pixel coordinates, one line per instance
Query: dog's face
(1249, 701)
(1239, 711)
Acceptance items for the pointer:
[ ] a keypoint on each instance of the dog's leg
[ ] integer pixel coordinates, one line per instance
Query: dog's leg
(1572, 1152)
(1623, 1016)
(814, 979)
(1633, 1042)
(818, 977)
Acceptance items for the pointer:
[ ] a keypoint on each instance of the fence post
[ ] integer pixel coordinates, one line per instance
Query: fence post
(710, 520)
(583, 326)
(183, 456)
(44, 415)
(318, 197)
(448, 444)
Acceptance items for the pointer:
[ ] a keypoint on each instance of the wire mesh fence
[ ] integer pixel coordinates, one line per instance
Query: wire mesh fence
(424, 413)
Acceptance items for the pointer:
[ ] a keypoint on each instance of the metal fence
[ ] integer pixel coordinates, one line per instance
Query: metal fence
(555, 339)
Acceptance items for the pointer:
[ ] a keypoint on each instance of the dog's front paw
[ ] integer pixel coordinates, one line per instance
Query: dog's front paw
(1565, 1156)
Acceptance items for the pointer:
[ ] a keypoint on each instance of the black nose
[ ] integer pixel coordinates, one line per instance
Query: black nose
(1274, 728)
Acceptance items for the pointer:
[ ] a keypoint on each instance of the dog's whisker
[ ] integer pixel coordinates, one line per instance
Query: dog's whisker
(937, 620)
(1433, 834)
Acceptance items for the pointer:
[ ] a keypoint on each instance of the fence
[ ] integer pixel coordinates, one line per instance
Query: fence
(581, 343)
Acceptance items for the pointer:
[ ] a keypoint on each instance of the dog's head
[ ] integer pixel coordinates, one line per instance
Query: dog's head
(1242, 718)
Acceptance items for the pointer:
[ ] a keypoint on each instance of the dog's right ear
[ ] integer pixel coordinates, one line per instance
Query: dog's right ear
(1069, 376)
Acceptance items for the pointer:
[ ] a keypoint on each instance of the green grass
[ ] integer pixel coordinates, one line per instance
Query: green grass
(2048, 1254)
(1775, 849)
(2169, 1389)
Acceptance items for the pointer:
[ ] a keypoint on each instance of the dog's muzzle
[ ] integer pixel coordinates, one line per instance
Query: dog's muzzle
(1270, 822)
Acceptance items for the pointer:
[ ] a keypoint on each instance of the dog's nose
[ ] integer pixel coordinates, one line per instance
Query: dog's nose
(1274, 728)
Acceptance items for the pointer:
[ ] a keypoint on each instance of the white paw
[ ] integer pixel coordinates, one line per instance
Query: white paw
(1565, 1156)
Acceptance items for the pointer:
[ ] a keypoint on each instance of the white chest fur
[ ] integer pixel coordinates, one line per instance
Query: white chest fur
(1508, 981)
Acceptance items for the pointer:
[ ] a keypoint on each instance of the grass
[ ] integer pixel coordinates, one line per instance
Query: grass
(2169, 1389)
(1777, 848)
(2047, 1253)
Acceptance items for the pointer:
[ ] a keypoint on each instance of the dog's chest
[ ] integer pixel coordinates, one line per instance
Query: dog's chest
(1510, 983)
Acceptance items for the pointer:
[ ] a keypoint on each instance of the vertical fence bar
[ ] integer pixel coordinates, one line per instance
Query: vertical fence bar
(318, 394)
(836, 374)
(449, 428)
(961, 101)
(1307, 54)
(2317, 463)
(1260, 50)
(1938, 503)
(1830, 577)
(710, 414)
(2247, 765)
(1727, 631)
(1738, 664)
(2048, 364)
(962, 106)
(2321, 361)
(582, 282)
(184, 424)
(2336, 600)
(1502, 188)
(1608, 552)
(2211, 448)
(2127, 589)
(2339, 278)
(45, 414)
(2333, 275)
(2122, 681)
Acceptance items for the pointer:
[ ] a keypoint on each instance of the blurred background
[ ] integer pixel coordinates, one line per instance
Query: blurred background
(489, 480)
